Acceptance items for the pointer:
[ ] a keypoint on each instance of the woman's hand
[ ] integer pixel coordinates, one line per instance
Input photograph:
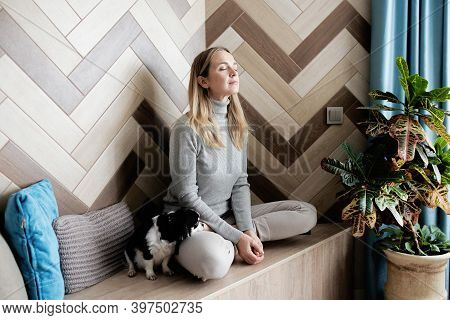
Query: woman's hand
(246, 248)
(259, 246)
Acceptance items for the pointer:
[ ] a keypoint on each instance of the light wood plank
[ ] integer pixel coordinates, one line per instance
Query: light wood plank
(285, 125)
(323, 92)
(162, 41)
(170, 22)
(46, 36)
(363, 8)
(95, 142)
(273, 25)
(313, 16)
(107, 164)
(3, 139)
(155, 95)
(195, 17)
(4, 183)
(99, 21)
(2, 95)
(359, 57)
(27, 95)
(229, 39)
(106, 90)
(270, 167)
(267, 106)
(191, 2)
(26, 134)
(312, 185)
(303, 4)
(359, 86)
(60, 13)
(266, 76)
(321, 273)
(326, 60)
(286, 9)
(83, 7)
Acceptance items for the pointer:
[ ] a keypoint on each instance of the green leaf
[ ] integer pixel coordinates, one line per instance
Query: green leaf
(434, 248)
(365, 202)
(408, 247)
(380, 95)
(422, 155)
(355, 159)
(400, 193)
(387, 201)
(404, 75)
(419, 84)
(435, 112)
(440, 94)
(349, 177)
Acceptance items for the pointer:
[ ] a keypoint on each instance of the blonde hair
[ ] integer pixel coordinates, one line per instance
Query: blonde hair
(200, 117)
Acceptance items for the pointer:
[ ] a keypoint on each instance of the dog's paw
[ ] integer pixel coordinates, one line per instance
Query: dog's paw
(132, 273)
(151, 276)
(169, 272)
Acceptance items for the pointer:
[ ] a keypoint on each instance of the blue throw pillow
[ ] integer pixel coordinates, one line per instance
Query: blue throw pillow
(28, 224)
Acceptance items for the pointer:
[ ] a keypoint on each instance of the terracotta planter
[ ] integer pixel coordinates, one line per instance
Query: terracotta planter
(411, 277)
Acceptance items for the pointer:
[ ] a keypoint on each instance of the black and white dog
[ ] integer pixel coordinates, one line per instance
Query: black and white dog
(158, 239)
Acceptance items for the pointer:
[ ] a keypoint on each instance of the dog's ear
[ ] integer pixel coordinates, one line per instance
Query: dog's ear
(192, 216)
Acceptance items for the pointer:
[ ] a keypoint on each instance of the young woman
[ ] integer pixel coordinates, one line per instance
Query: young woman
(208, 167)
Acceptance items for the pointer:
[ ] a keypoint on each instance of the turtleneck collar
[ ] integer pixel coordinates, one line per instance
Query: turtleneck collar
(220, 108)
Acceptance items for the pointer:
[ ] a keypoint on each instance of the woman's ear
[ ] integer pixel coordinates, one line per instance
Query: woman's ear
(203, 82)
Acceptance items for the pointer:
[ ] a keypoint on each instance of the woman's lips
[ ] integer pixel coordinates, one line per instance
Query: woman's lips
(235, 82)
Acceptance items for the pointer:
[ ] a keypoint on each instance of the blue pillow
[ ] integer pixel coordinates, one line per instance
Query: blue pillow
(28, 224)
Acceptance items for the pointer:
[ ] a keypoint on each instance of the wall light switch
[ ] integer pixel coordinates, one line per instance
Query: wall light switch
(335, 115)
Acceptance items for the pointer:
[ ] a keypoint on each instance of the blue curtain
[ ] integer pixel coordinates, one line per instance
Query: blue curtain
(419, 31)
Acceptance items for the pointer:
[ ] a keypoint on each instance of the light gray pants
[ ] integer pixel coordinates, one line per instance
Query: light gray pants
(208, 255)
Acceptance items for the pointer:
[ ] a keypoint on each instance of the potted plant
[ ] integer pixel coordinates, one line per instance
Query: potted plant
(401, 171)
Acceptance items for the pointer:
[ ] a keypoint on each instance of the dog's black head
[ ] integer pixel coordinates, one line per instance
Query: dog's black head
(177, 225)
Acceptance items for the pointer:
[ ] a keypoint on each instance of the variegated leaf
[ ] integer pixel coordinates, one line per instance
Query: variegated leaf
(350, 210)
(437, 127)
(408, 132)
(358, 226)
(371, 218)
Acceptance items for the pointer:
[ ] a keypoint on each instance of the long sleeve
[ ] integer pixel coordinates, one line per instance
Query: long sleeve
(183, 151)
(240, 197)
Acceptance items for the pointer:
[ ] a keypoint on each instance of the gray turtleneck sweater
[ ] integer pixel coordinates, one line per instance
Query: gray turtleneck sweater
(211, 181)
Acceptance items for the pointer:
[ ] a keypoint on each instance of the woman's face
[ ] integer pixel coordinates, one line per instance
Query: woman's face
(223, 78)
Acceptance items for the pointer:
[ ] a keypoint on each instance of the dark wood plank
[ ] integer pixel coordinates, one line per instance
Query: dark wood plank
(220, 20)
(24, 171)
(323, 34)
(266, 47)
(146, 116)
(120, 183)
(356, 115)
(262, 186)
(316, 126)
(360, 29)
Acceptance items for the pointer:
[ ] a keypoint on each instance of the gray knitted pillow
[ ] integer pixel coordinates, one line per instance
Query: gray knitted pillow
(91, 245)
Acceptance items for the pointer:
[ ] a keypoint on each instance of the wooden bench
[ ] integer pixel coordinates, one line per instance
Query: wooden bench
(316, 266)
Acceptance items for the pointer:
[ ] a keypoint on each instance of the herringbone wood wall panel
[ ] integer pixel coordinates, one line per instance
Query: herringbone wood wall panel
(89, 89)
